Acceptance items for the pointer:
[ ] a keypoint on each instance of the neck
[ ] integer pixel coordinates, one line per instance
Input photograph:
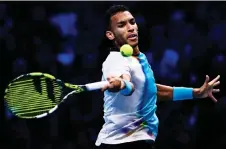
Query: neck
(136, 51)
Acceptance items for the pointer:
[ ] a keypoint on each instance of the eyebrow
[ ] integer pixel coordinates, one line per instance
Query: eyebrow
(123, 21)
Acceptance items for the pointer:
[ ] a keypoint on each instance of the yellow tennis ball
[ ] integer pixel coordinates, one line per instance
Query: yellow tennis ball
(126, 50)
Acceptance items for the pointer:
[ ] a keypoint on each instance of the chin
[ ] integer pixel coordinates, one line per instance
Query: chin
(133, 44)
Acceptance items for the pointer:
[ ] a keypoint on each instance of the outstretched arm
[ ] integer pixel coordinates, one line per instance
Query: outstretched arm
(166, 93)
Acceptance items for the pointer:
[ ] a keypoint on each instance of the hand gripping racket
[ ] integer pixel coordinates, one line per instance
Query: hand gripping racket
(36, 95)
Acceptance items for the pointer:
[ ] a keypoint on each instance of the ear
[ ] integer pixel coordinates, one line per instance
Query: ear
(110, 35)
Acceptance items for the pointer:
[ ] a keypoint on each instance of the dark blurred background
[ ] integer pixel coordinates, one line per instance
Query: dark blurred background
(183, 41)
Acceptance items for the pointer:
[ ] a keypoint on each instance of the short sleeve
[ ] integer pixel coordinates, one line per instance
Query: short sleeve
(115, 65)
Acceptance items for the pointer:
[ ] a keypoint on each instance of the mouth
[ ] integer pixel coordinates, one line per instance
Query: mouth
(132, 36)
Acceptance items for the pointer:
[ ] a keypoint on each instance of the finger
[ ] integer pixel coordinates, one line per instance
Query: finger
(212, 97)
(112, 80)
(216, 90)
(217, 83)
(215, 79)
(207, 79)
(109, 78)
(105, 88)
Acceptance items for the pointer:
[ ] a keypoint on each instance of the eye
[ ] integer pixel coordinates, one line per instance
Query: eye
(121, 24)
(132, 21)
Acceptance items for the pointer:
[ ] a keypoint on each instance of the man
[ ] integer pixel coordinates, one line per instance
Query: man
(130, 98)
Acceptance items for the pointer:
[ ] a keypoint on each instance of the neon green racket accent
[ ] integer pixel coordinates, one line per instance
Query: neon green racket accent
(77, 88)
(37, 94)
(33, 94)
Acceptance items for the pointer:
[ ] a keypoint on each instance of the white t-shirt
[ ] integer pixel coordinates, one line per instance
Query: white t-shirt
(122, 123)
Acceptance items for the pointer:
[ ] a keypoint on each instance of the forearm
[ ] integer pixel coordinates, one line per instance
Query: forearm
(166, 93)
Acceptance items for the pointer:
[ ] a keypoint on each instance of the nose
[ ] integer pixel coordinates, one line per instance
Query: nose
(130, 27)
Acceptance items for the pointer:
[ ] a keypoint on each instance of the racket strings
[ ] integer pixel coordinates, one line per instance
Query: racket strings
(23, 98)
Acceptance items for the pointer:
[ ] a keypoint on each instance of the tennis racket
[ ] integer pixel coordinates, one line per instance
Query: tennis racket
(36, 95)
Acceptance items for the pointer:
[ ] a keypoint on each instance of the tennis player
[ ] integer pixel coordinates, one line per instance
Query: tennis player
(130, 98)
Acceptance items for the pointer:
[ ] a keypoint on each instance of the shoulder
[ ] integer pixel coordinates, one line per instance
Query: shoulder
(114, 55)
(116, 58)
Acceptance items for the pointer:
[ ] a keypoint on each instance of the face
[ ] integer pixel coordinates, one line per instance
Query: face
(123, 29)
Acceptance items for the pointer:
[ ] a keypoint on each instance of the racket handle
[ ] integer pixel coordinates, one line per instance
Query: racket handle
(96, 85)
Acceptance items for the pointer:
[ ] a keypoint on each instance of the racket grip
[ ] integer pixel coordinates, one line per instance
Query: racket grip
(96, 85)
